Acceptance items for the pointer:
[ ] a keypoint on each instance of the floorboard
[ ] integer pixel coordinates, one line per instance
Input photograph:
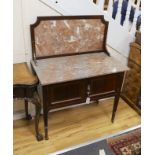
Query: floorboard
(73, 126)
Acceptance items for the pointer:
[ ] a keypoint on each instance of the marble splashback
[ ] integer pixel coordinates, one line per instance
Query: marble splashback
(56, 37)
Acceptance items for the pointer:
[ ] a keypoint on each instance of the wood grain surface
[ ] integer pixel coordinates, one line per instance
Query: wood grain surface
(73, 126)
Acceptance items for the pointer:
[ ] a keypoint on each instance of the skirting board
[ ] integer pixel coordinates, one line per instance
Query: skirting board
(18, 115)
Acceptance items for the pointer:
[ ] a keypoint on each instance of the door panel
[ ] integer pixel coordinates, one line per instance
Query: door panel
(103, 84)
(67, 92)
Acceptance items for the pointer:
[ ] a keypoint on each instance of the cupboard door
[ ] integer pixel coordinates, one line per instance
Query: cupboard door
(103, 84)
(67, 93)
(132, 85)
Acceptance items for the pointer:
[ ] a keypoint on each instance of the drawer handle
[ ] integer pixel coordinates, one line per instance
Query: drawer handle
(88, 94)
(88, 100)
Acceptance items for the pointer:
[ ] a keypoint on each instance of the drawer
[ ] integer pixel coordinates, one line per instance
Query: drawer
(103, 84)
(18, 92)
(135, 53)
(132, 83)
(131, 92)
(69, 92)
(23, 91)
(133, 76)
(134, 66)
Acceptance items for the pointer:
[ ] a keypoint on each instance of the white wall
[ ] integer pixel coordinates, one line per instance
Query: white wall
(25, 13)
(119, 38)
(74, 7)
(18, 38)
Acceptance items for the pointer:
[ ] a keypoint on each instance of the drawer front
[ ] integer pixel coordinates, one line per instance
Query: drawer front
(132, 93)
(103, 84)
(18, 92)
(23, 91)
(132, 83)
(67, 93)
(133, 76)
(135, 55)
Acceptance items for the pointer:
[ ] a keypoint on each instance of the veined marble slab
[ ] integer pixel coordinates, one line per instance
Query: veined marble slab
(75, 67)
(63, 36)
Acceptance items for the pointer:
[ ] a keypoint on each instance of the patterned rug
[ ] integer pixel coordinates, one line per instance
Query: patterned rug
(126, 144)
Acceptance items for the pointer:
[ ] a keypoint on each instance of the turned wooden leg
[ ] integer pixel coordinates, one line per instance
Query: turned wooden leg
(28, 116)
(116, 100)
(117, 96)
(36, 101)
(46, 124)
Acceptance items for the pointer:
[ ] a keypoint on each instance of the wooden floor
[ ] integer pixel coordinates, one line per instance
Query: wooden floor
(73, 126)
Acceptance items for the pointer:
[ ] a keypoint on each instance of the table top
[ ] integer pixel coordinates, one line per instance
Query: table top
(76, 67)
(22, 75)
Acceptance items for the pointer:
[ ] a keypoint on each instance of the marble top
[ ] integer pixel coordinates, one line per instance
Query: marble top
(75, 67)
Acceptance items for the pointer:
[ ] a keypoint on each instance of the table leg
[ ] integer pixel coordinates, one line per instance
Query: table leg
(28, 116)
(116, 100)
(36, 101)
(46, 124)
(117, 96)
